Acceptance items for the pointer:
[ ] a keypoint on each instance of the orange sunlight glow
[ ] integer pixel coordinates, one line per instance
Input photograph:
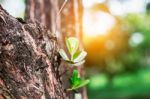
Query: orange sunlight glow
(96, 24)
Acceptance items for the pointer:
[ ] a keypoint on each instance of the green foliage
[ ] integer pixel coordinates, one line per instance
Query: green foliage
(76, 81)
(63, 55)
(76, 56)
(76, 59)
(72, 45)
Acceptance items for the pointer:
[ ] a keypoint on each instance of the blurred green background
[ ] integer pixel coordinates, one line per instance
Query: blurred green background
(116, 35)
(118, 62)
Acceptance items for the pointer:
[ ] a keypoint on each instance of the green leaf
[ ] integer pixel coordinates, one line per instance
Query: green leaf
(76, 82)
(75, 74)
(76, 54)
(82, 84)
(63, 55)
(80, 57)
(75, 79)
(72, 45)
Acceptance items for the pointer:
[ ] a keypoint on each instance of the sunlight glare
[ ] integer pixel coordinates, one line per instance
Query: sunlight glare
(89, 3)
(95, 24)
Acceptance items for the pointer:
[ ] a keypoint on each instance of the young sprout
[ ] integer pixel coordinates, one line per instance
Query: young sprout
(76, 56)
(76, 82)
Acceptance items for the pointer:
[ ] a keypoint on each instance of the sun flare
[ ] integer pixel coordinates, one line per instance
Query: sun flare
(96, 24)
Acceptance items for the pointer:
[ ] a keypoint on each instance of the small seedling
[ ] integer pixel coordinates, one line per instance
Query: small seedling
(76, 82)
(76, 56)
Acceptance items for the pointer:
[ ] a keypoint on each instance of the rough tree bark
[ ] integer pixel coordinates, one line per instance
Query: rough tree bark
(28, 61)
(46, 11)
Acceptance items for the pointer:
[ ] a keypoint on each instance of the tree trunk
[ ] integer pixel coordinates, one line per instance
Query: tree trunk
(29, 60)
(46, 12)
(71, 23)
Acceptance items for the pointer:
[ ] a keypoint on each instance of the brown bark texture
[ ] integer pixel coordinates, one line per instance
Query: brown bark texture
(46, 12)
(29, 60)
(71, 18)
